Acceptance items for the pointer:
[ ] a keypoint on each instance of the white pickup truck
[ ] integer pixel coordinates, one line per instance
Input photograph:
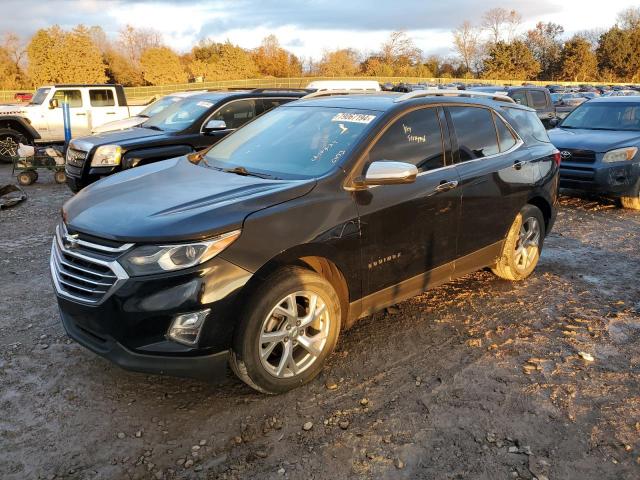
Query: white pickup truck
(41, 121)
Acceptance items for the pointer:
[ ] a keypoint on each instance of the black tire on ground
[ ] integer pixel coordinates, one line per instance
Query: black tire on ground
(60, 177)
(522, 247)
(9, 140)
(26, 178)
(266, 311)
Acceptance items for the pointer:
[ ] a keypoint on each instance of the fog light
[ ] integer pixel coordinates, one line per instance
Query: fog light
(186, 328)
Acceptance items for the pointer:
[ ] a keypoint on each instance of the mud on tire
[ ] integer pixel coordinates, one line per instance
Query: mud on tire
(522, 247)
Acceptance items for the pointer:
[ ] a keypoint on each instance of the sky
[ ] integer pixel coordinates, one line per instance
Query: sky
(305, 27)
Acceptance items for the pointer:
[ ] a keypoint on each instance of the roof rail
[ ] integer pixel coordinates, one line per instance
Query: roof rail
(452, 93)
(328, 93)
(284, 89)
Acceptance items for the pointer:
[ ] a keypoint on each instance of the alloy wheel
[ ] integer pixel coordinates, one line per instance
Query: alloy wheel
(8, 147)
(528, 243)
(294, 334)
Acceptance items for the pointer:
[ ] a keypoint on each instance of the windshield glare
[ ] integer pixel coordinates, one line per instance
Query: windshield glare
(604, 116)
(292, 142)
(39, 96)
(158, 106)
(180, 115)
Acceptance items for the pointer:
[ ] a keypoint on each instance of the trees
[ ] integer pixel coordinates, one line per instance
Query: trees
(578, 62)
(162, 66)
(466, 40)
(546, 46)
(618, 54)
(56, 56)
(339, 63)
(274, 61)
(510, 60)
(221, 61)
(501, 24)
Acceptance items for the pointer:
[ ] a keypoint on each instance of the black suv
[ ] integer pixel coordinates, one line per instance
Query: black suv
(537, 98)
(187, 126)
(313, 215)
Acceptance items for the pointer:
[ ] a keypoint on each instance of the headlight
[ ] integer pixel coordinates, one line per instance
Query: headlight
(620, 155)
(149, 259)
(107, 156)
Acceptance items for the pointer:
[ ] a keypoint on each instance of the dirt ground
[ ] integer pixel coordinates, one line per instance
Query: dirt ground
(477, 379)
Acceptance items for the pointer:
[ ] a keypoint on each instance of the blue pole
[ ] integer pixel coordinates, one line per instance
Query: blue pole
(66, 117)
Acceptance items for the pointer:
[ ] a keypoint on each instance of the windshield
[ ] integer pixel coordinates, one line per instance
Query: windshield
(605, 116)
(292, 142)
(158, 106)
(179, 115)
(39, 96)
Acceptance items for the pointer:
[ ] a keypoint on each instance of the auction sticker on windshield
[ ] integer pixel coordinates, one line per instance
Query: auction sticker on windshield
(353, 117)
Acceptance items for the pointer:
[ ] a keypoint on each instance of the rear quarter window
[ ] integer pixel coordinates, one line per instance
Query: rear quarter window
(527, 124)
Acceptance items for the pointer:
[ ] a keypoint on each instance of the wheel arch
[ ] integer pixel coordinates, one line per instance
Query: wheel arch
(545, 207)
(19, 124)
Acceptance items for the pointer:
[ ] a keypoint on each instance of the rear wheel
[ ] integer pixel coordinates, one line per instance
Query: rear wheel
(521, 250)
(60, 177)
(27, 177)
(9, 142)
(288, 329)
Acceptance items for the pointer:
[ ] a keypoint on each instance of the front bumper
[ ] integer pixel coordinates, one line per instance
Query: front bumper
(209, 367)
(616, 179)
(77, 180)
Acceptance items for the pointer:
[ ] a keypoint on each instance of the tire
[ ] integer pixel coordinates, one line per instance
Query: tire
(60, 176)
(632, 203)
(269, 311)
(517, 263)
(9, 140)
(26, 178)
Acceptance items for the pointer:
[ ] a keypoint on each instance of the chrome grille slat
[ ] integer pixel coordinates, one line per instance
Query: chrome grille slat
(84, 271)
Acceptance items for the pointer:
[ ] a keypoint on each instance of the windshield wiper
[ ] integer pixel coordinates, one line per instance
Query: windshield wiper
(246, 173)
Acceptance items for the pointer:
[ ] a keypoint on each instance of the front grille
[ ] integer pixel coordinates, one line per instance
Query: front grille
(578, 156)
(84, 271)
(76, 158)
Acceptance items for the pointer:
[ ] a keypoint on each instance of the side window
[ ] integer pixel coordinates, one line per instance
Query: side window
(72, 97)
(527, 124)
(415, 138)
(506, 140)
(538, 99)
(475, 131)
(266, 104)
(101, 98)
(520, 97)
(236, 113)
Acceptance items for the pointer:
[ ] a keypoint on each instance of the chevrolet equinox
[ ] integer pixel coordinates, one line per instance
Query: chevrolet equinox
(258, 252)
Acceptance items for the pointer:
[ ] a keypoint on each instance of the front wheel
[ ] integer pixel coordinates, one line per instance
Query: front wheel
(521, 250)
(10, 140)
(288, 329)
(632, 203)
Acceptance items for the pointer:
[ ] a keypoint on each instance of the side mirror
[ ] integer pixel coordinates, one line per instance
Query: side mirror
(53, 103)
(214, 125)
(388, 173)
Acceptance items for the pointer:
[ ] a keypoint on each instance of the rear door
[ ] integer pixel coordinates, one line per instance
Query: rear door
(410, 229)
(495, 178)
(103, 107)
(540, 101)
(263, 105)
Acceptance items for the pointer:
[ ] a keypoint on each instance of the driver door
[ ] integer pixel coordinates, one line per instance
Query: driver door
(409, 231)
(78, 114)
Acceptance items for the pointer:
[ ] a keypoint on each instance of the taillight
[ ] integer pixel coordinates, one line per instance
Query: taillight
(557, 158)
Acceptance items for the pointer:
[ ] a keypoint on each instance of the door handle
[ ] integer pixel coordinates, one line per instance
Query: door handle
(111, 113)
(80, 114)
(446, 186)
(519, 164)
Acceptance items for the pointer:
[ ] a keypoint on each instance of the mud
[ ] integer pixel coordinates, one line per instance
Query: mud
(477, 379)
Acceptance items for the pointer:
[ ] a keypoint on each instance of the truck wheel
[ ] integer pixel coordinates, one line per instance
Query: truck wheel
(289, 327)
(9, 140)
(27, 178)
(632, 203)
(521, 250)
(60, 176)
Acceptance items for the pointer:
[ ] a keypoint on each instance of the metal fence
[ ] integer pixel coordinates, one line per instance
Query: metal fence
(145, 93)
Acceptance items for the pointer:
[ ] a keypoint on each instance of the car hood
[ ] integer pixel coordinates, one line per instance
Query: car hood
(123, 124)
(120, 137)
(172, 201)
(597, 140)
